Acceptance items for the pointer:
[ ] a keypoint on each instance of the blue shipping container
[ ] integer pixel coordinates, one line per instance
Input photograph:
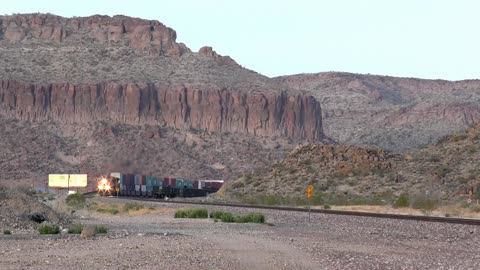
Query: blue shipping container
(137, 179)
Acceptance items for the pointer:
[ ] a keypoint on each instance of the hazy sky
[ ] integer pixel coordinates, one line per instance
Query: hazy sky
(408, 38)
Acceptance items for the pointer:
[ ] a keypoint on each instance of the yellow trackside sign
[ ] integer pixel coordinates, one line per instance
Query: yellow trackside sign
(309, 191)
(67, 180)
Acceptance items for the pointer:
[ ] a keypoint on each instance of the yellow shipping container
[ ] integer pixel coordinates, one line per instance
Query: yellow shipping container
(61, 180)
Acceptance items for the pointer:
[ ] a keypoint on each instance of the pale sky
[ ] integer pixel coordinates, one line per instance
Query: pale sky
(432, 39)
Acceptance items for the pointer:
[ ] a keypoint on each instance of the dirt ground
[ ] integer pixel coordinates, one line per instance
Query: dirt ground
(155, 240)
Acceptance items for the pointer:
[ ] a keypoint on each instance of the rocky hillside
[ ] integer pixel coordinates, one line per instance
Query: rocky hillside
(393, 113)
(30, 151)
(446, 169)
(96, 94)
(133, 71)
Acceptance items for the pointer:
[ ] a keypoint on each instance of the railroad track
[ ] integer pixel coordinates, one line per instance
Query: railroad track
(464, 221)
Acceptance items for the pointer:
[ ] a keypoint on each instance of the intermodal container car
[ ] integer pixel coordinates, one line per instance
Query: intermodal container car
(169, 182)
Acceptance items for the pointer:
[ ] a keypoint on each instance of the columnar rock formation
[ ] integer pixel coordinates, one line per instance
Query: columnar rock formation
(182, 106)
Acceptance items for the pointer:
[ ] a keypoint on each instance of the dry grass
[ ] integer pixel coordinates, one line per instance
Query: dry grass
(101, 208)
(450, 210)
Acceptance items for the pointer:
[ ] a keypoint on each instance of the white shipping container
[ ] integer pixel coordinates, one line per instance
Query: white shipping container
(144, 188)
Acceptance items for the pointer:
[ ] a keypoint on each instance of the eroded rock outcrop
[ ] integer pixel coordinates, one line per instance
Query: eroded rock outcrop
(182, 106)
(147, 35)
(222, 60)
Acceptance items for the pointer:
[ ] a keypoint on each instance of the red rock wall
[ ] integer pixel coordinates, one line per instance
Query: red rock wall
(180, 106)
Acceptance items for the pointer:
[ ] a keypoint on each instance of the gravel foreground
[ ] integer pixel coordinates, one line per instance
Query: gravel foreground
(155, 241)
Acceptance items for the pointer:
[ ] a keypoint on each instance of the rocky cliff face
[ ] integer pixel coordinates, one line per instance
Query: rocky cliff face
(182, 106)
(151, 36)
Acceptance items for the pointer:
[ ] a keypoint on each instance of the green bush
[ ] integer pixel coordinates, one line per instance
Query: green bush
(327, 207)
(230, 218)
(75, 228)
(5, 231)
(192, 213)
(76, 200)
(47, 228)
(402, 201)
(101, 229)
(251, 218)
(133, 206)
(223, 216)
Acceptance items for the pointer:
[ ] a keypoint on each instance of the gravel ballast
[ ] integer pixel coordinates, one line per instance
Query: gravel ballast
(287, 241)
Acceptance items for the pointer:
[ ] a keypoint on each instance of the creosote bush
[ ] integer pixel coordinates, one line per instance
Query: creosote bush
(223, 216)
(76, 200)
(75, 228)
(192, 213)
(402, 201)
(47, 228)
(230, 218)
(101, 229)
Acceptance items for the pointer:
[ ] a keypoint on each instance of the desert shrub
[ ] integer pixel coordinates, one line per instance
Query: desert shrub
(460, 137)
(476, 195)
(338, 174)
(101, 229)
(216, 214)
(238, 184)
(306, 162)
(442, 171)
(251, 218)
(361, 171)
(75, 228)
(76, 200)
(192, 213)
(471, 149)
(227, 217)
(47, 228)
(352, 182)
(5, 231)
(423, 202)
(132, 206)
(112, 211)
(292, 170)
(402, 201)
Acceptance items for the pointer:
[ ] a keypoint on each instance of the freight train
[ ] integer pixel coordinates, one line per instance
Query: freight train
(119, 184)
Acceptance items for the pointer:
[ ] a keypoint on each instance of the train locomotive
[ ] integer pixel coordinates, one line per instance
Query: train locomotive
(119, 184)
